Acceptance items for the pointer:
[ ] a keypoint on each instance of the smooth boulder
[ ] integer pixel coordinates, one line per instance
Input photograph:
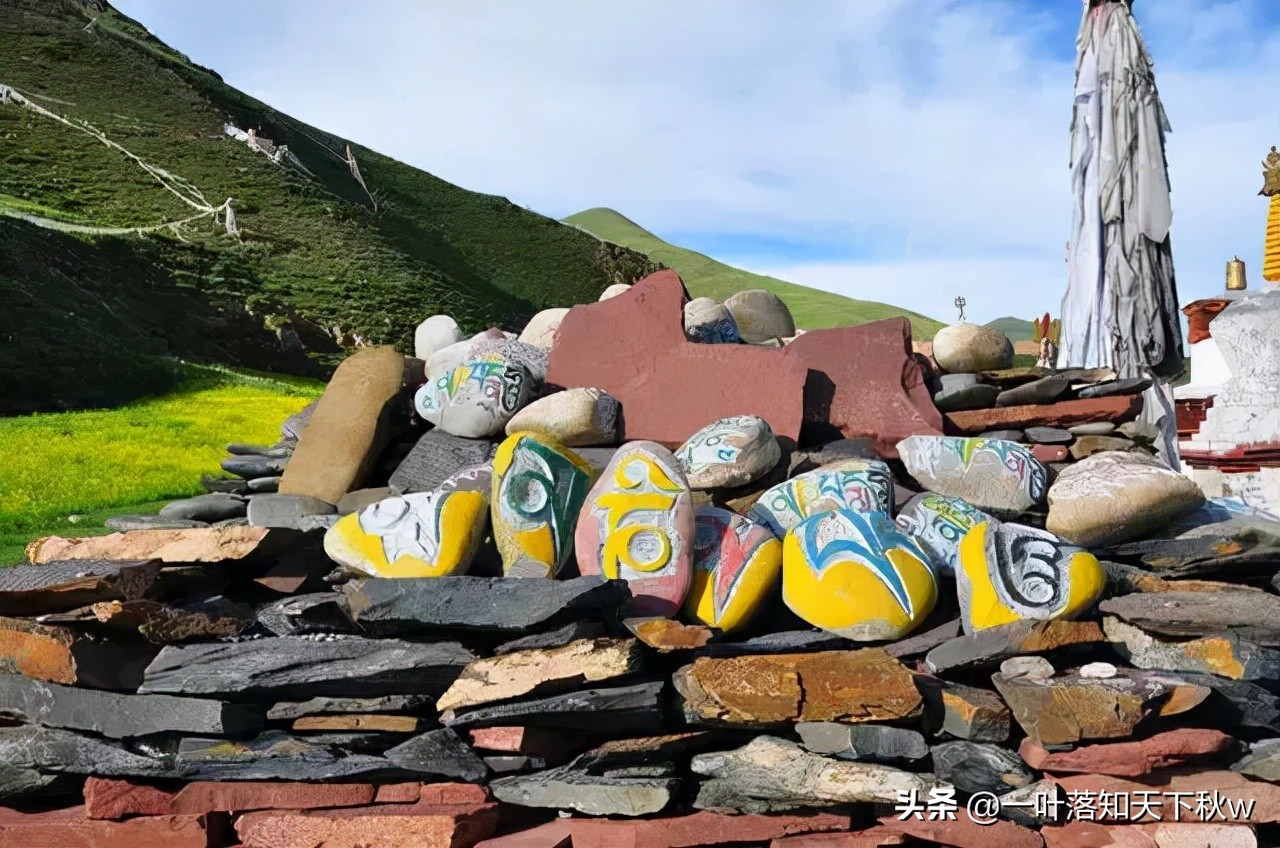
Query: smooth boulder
(435, 334)
(574, 417)
(760, 315)
(999, 477)
(729, 452)
(969, 348)
(475, 399)
(860, 485)
(541, 329)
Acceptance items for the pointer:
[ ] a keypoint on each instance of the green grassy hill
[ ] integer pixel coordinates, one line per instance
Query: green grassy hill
(1017, 329)
(705, 277)
(321, 257)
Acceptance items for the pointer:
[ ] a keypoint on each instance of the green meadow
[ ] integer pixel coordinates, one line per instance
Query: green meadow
(63, 473)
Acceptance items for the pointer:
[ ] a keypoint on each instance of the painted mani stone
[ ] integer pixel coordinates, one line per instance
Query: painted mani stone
(1009, 572)
(999, 477)
(729, 452)
(938, 523)
(475, 399)
(857, 575)
(736, 564)
(427, 534)
(539, 487)
(861, 485)
(637, 525)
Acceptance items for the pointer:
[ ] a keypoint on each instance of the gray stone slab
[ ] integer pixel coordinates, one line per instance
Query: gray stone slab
(282, 450)
(264, 484)
(48, 750)
(980, 396)
(567, 788)
(498, 604)
(973, 767)
(1127, 386)
(118, 716)
(126, 523)
(66, 584)
(437, 456)
(1252, 616)
(289, 710)
(215, 506)
(1049, 435)
(622, 710)
(557, 638)
(284, 667)
(1262, 762)
(870, 743)
(919, 644)
(275, 755)
(783, 642)
(298, 615)
(1045, 390)
(251, 467)
(439, 753)
(285, 511)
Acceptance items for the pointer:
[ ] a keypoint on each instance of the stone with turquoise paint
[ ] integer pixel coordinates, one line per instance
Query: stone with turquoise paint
(857, 575)
(637, 525)
(427, 534)
(861, 485)
(999, 477)
(736, 565)
(538, 490)
(475, 399)
(729, 452)
(1009, 572)
(938, 523)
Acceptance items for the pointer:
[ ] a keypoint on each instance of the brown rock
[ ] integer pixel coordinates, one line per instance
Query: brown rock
(342, 440)
(63, 585)
(192, 544)
(859, 381)
(159, 623)
(665, 635)
(1254, 616)
(368, 723)
(873, 385)
(1070, 708)
(1007, 378)
(69, 828)
(541, 671)
(991, 646)
(62, 655)
(1061, 414)
(1239, 799)
(633, 346)
(1089, 445)
(1131, 759)
(1049, 453)
(1225, 656)
(970, 713)
(118, 799)
(850, 686)
(874, 837)
(421, 825)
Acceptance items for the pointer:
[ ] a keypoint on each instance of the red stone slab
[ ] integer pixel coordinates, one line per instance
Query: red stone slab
(1065, 413)
(1086, 834)
(530, 741)
(697, 829)
(1232, 791)
(1130, 759)
(633, 347)
(70, 828)
(117, 799)
(421, 825)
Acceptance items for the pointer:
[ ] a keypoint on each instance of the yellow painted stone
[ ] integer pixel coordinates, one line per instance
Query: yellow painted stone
(1010, 572)
(736, 564)
(428, 534)
(857, 575)
(539, 487)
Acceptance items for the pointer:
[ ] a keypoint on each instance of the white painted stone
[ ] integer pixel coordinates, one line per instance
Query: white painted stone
(729, 452)
(1247, 409)
(709, 322)
(435, 334)
(541, 329)
(476, 399)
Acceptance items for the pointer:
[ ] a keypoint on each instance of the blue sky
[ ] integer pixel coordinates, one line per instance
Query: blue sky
(899, 150)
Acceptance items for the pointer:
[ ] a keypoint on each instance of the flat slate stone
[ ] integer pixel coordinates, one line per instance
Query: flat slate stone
(435, 457)
(252, 467)
(125, 523)
(322, 705)
(623, 709)
(62, 585)
(118, 716)
(215, 506)
(973, 767)
(782, 642)
(557, 638)
(285, 511)
(1252, 616)
(298, 615)
(265, 484)
(158, 623)
(1045, 390)
(869, 743)
(1262, 761)
(1127, 386)
(988, 648)
(275, 755)
(569, 788)
(924, 642)
(501, 604)
(46, 749)
(1049, 435)
(1237, 554)
(281, 667)
(440, 753)
(1064, 413)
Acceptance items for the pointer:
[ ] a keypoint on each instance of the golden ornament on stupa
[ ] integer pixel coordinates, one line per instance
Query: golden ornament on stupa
(1271, 242)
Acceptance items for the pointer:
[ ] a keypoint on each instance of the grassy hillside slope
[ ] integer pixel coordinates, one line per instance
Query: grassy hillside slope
(812, 308)
(1017, 329)
(318, 254)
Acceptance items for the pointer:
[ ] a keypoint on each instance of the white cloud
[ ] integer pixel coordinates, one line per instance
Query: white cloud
(938, 127)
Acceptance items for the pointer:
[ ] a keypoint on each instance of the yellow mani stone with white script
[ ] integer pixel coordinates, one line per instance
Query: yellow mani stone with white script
(857, 575)
(428, 534)
(736, 564)
(1010, 572)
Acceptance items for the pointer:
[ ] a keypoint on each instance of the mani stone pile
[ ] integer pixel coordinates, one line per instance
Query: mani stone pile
(659, 573)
